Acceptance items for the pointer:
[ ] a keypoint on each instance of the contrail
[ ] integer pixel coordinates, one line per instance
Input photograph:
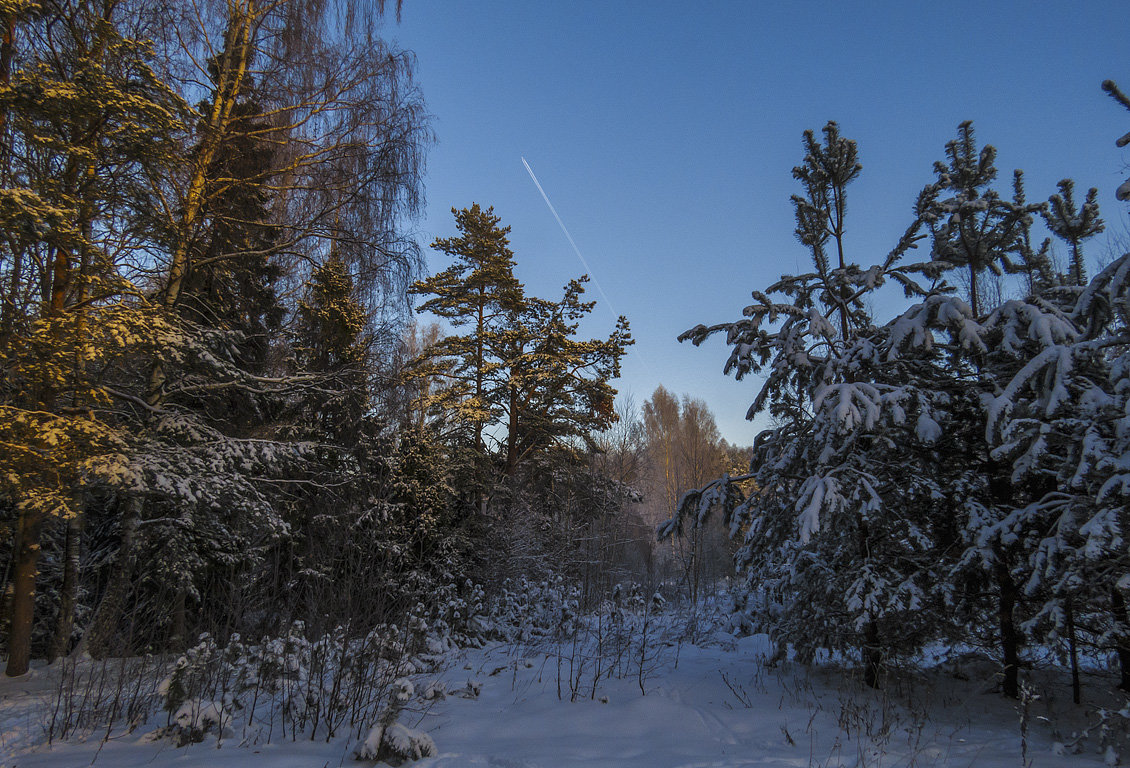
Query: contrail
(569, 237)
(584, 262)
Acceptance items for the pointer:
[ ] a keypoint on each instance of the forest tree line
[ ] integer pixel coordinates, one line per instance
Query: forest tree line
(218, 415)
(217, 412)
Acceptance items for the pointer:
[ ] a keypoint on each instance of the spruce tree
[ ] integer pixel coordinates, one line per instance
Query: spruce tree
(233, 269)
(332, 344)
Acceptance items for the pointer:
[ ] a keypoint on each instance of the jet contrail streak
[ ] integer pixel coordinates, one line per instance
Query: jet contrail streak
(569, 237)
(584, 262)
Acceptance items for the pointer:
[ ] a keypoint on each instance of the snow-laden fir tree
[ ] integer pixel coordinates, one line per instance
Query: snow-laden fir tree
(834, 535)
(1059, 420)
(883, 499)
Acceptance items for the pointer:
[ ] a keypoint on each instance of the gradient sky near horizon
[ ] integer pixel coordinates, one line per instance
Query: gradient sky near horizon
(664, 133)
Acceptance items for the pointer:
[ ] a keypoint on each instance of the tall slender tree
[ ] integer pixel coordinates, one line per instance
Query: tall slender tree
(519, 367)
(478, 292)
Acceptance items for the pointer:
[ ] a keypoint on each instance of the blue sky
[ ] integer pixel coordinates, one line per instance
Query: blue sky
(664, 133)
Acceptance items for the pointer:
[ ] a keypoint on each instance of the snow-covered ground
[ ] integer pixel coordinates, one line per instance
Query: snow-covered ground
(722, 705)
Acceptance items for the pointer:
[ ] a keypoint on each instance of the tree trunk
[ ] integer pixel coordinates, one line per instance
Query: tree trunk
(1076, 693)
(7, 53)
(512, 436)
(1010, 636)
(8, 301)
(872, 654)
(24, 570)
(233, 64)
(179, 631)
(1076, 269)
(6, 598)
(98, 640)
(696, 547)
(974, 299)
(26, 555)
(64, 627)
(838, 233)
(1118, 608)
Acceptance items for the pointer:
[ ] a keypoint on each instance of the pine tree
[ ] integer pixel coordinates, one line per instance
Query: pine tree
(1116, 93)
(519, 366)
(974, 228)
(825, 175)
(829, 525)
(1035, 264)
(557, 390)
(869, 547)
(1058, 420)
(479, 292)
(1072, 225)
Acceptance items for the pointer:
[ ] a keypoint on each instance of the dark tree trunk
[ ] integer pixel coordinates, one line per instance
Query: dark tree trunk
(6, 598)
(7, 53)
(1118, 608)
(64, 627)
(974, 299)
(24, 570)
(872, 649)
(696, 564)
(8, 303)
(98, 640)
(512, 436)
(872, 654)
(1010, 636)
(1076, 692)
(179, 640)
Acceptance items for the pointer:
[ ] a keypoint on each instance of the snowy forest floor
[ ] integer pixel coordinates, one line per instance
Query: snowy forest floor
(721, 704)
